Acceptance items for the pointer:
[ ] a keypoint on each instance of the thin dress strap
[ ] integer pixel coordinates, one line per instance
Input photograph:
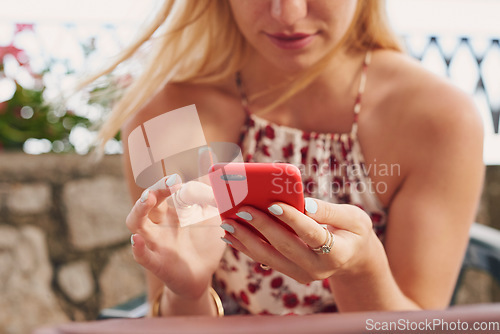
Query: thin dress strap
(243, 95)
(361, 90)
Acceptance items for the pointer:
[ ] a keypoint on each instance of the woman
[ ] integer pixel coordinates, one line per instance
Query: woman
(314, 83)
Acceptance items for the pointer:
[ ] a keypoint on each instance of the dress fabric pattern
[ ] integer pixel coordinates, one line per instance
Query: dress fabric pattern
(332, 169)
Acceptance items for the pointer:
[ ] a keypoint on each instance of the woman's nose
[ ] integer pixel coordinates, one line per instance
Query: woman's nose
(288, 12)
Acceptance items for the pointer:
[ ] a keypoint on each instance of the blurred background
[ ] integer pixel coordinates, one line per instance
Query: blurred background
(64, 250)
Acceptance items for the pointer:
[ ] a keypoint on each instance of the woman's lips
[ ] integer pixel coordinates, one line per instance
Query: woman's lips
(291, 42)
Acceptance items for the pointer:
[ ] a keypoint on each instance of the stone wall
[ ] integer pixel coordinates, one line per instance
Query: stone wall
(64, 247)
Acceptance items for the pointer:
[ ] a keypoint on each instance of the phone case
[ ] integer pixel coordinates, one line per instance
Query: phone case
(255, 184)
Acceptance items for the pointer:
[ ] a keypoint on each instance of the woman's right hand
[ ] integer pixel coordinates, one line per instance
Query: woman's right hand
(183, 257)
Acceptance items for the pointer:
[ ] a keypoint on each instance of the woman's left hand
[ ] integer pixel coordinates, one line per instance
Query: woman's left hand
(355, 242)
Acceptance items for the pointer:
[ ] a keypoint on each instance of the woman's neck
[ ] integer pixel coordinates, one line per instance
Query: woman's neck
(336, 84)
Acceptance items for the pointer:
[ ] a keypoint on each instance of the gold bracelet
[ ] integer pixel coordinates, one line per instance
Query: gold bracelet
(155, 308)
(217, 301)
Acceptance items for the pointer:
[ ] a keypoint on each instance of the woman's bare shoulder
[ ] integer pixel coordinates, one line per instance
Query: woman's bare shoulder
(420, 102)
(208, 99)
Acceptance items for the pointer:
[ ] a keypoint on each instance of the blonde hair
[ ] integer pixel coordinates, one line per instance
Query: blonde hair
(199, 42)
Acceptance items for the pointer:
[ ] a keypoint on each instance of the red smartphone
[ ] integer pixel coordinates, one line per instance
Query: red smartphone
(255, 184)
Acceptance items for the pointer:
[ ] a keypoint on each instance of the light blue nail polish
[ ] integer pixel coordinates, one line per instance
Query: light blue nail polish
(132, 240)
(171, 180)
(275, 209)
(311, 205)
(228, 228)
(244, 215)
(226, 241)
(203, 149)
(144, 196)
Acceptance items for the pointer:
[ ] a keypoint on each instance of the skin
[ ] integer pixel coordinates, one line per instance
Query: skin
(409, 117)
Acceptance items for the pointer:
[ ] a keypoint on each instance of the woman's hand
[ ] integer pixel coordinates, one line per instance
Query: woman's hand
(183, 257)
(355, 243)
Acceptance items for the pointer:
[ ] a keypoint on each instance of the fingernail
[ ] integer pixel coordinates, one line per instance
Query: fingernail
(203, 149)
(132, 240)
(144, 196)
(311, 205)
(275, 209)
(227, 227)
(245, 215)
(226, 241)
(171, 180)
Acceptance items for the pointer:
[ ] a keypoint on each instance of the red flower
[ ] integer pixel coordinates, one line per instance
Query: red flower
(252, 287)
(258, 269)
(236, 253)
(359, 206)
(306, 136)
(276, 282)
(12, 50)
(249, 157)
(334, 164)
(290, 300)
(308, 186)
(345, 150)
(310, 300)
(303, 153)
(315, 164)
(376, 217)
(288, 150)
(344, 198)
(338, 184)
(23, 26)
(265, 312)
(222, 284)
(330, 309)
(265, 150)
(326, 284)
(244, 297)
(251, 122)
(269, 131)
(258, 134)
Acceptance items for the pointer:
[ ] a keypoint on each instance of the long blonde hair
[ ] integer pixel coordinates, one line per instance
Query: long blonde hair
(199, 42)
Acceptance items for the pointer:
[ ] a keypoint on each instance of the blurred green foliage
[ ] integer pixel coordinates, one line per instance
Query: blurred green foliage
(26, 113)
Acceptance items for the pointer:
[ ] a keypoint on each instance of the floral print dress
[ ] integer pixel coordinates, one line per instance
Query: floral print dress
(333, 169)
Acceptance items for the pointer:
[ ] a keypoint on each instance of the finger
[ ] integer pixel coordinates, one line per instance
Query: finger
(282, 239)
(165, 187)
(195, 192)
(246, 241)
(139, 216)
(341, 216)
(309, 230)
(142, 254)
(159, 192)
(206, 158)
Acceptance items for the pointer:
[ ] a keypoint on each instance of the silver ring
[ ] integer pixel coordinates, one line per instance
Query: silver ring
(327, 245)
(179, 200)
